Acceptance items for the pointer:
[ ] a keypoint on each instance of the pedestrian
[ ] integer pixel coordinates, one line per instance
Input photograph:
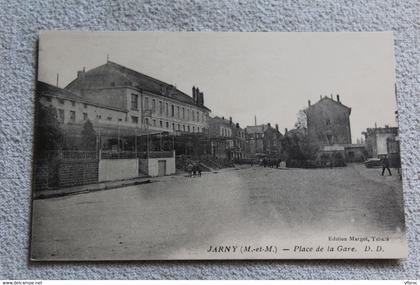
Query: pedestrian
(199, 169)
(189, 169)
(385, 165)
(194, 169)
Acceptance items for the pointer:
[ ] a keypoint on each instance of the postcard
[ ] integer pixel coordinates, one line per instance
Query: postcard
(209, 146)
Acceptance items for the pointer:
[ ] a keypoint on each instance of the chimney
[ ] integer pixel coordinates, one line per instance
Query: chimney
(193, 93)
(309, 103)
(277, 127)
(331, 96)
(58, 77)
(285, 130)
(338, 98)
(255, 120)
(237, 125)
(320, 97)
(230, 120)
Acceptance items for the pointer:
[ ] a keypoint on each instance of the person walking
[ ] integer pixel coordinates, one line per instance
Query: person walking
(199, 169)
(385, 165)
(190, 170)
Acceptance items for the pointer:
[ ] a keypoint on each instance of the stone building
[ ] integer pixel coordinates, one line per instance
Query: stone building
(381, 141)
(328, 122)
(264, 140)
(227, 139)
(149, 102)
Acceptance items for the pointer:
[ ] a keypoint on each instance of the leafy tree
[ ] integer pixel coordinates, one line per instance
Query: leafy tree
(88, 140)
(301, 121)
(48, 134)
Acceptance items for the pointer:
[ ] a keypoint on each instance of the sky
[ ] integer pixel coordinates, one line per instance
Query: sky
(268, 75)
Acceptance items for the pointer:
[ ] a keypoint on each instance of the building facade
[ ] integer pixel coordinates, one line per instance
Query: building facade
(149, 102)
(381, 141)
(328, 122)
(263, 140)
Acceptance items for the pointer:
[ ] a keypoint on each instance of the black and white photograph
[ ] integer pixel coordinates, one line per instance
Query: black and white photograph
(209, 146)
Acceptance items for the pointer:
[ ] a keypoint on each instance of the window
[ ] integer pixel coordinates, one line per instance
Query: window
(327, 122)
(61, 115)
(161, 124)
(146, 103)
(134, 102)
(154, 123)
(177, 112)
(172, 110)
(167, 125)
(188, 128)
(134, 119)
(119, 120)
(179, 127)
(72, 116)
(183, 113)
(153, 105)
(198, 116)
(183, 128)
(73, 103)
(146, 121)
(109, 118)
(98, 116)
(173, 126)
(85, 105)
(85, 116)
(160, 107)
(330, 139)
(193, 129)
(188, 114)
(167, 110)
(193, 118)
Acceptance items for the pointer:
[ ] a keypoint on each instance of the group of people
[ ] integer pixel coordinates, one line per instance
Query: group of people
(194, 169)
(270, 162)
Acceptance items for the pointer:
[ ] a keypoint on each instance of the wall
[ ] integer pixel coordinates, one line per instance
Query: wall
(381, 144)
(150, 166)
(117, 169)
(338, 128)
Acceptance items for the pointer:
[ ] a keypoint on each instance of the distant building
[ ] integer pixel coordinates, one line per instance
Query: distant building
(381, 141)
(328, 122)
(263, 140)
(227, 138)
(148, 102)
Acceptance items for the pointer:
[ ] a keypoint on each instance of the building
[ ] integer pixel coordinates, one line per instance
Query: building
(74, 109)
(328, 122)
(227, 139)
(148, 102)
(381, 141)
(264, 140)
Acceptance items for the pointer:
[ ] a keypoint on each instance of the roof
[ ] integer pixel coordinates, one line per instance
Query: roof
(48, 90)
(95, 78)
(328, 99)
(256, 129)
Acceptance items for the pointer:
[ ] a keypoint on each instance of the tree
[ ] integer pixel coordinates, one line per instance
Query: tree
(88, 141)
(48, 134)
(301, 122)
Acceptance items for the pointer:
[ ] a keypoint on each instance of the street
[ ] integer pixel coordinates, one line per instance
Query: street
(179, 217)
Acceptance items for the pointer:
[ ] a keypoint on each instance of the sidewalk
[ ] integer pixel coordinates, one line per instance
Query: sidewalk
(91, 187)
